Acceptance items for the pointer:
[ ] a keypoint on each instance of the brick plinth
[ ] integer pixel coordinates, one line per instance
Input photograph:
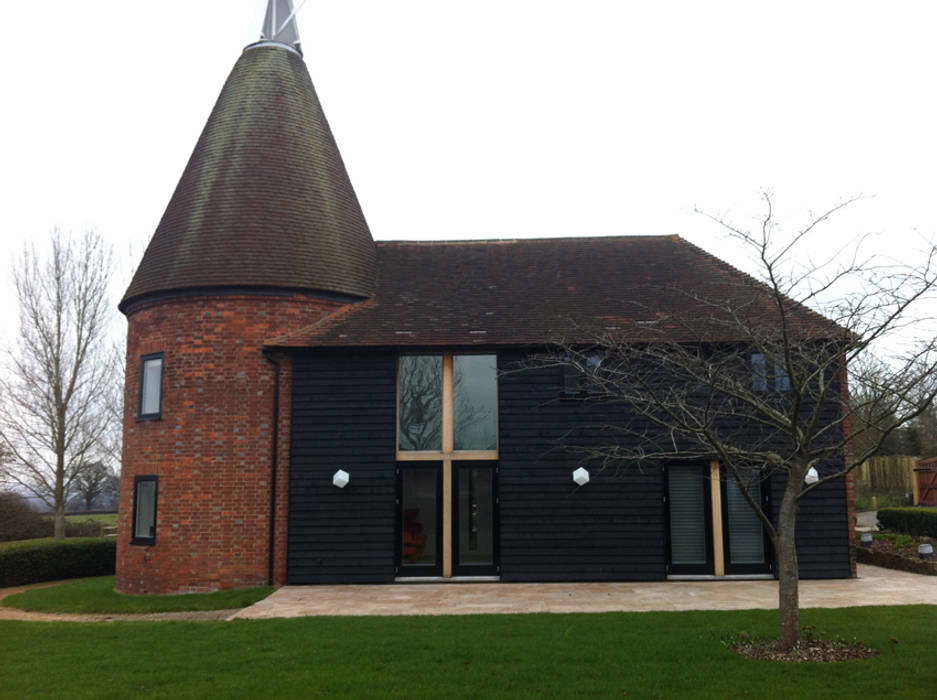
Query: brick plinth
(211, 447)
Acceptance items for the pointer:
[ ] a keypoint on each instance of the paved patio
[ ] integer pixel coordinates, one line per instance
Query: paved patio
(874, 586)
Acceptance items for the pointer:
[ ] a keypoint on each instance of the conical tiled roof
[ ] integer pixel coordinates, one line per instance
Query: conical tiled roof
(265, 200)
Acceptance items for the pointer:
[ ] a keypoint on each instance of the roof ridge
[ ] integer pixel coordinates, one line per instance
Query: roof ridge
(542, 239)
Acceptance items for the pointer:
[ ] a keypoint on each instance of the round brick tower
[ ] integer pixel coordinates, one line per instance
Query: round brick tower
(263, 236)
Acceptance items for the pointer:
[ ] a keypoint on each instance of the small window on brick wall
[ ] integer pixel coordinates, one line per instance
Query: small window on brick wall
(151, 386)
(145, 490)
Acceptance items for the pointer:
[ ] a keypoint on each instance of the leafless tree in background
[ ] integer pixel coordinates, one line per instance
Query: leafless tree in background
(95, 485)
(54, 416)
(752, 377)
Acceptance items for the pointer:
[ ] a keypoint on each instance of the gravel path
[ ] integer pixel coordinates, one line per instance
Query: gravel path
(14, 614)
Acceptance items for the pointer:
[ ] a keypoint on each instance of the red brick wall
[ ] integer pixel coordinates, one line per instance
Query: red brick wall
(212, 446)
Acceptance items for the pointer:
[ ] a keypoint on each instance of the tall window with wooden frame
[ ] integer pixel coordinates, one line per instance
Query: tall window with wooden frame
(447, 451)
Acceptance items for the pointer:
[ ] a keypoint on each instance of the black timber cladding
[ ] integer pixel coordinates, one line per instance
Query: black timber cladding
(823, 531)
(344, 417)
(612, 529)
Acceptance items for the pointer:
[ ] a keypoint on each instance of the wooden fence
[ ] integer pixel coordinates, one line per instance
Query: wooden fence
(925, 482)
(887, 474)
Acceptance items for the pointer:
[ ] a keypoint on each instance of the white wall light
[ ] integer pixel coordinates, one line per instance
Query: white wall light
(812, 476)
(581, 476)
(341, 478)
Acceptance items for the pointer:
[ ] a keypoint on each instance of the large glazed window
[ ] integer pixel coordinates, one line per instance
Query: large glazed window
(447, 403)
(475, 408)
(420, 403)
(447, 447)
(144, 509)
(151, 386)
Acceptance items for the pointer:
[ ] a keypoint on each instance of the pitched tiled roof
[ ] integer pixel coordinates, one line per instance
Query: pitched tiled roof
(265, 200)
(529, 292)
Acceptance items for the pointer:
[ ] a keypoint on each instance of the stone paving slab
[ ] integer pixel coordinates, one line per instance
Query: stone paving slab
(874, 586)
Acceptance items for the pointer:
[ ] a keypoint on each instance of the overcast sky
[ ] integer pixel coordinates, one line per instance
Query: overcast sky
(508, 118)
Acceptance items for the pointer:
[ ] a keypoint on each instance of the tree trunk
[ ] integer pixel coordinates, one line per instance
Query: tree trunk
(59, 520)
(788, 573)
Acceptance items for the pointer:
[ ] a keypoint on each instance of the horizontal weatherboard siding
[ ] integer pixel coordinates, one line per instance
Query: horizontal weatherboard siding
(343, 418)
(611, 529)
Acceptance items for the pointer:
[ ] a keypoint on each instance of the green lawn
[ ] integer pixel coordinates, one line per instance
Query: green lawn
(107, 519)
(633, 655)
(97, 595)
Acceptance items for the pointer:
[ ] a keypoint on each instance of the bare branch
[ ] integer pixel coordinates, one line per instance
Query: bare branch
(61, 375)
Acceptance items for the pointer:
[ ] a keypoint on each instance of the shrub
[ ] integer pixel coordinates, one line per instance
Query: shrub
(18, 519)
(32, 561)
(82, 528)
(910, 521)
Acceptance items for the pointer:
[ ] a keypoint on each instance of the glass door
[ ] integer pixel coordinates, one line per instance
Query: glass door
(691, 549)
(746, 544)
(474, 519)
(419, 517)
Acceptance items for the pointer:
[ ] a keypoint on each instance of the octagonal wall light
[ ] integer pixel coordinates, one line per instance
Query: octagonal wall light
(341, 478)
(581, 476)
(813, 476)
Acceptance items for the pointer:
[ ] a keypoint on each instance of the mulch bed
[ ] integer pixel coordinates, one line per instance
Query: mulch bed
(884, 553)
(807, 651)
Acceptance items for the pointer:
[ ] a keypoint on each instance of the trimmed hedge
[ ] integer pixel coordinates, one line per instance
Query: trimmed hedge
(31, 561)
(910, 521)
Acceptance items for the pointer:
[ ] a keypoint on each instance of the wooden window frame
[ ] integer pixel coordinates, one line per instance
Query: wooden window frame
(448, 450)
(448, 454)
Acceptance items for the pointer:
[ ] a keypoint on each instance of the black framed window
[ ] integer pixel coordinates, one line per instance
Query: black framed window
(151, 386)
(782, 382)
(765, 374)
(145, 493)
(759, 372)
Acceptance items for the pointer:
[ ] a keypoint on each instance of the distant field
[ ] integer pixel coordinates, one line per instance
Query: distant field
(107, 519)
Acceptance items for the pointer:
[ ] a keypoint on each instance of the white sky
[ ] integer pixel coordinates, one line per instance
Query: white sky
(508, 118)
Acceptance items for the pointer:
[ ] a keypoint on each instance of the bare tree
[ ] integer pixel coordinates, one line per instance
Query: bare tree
(53, 415)
(92, 482)
(757, 373)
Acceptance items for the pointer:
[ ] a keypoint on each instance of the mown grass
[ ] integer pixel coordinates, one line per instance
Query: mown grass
(633, 655)
(106, 519)
(97, 595)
